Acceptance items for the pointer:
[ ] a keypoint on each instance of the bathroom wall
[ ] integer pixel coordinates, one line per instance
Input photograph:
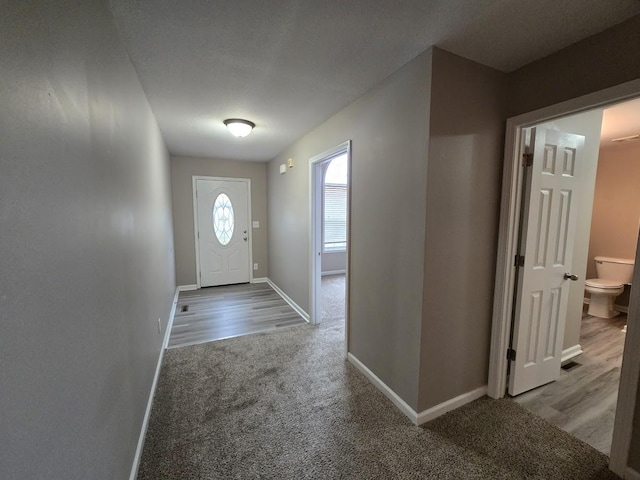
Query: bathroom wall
(588, 124)
(616, 204)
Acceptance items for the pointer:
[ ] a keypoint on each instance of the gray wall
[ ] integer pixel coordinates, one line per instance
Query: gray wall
(634, 310)
(588, 124)
(86, 244)
(595, 63)
(182, 171)
(634, 451)
(388, 181)
(463, 196)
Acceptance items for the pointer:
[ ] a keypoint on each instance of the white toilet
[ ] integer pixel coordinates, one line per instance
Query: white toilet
(613, 274)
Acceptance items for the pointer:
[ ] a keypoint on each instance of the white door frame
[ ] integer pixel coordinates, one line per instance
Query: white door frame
(505, 272)
(194, 180)
(315, 233)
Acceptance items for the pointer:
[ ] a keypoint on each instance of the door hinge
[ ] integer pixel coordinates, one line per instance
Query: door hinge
(518, 261)
(527, 159)
(511, 354)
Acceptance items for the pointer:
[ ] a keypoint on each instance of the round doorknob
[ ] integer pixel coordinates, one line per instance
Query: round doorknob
(245, 239)
(569, 276)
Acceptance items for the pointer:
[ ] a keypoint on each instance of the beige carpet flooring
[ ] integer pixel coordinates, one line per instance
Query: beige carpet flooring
(286, 405)
(333, 294)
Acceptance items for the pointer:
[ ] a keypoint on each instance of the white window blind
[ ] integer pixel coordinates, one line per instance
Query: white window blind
(335, 216)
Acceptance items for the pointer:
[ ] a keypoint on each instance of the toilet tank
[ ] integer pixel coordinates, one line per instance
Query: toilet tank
(618, 269)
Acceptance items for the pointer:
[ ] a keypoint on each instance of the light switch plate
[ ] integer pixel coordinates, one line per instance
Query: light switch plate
(256, 224)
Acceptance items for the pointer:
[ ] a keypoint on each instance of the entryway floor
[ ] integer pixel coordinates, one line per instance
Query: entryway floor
(583, 401)
(215, 313)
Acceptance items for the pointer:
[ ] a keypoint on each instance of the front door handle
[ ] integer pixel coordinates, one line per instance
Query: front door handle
(569, 276)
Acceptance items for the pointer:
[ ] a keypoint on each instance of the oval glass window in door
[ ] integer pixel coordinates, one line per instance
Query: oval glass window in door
(223, 218)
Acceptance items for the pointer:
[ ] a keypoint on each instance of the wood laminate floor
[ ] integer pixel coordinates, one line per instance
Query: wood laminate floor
(583, 401)
(215, 313)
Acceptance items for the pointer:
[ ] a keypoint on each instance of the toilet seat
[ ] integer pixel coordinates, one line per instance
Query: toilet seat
(603, 283)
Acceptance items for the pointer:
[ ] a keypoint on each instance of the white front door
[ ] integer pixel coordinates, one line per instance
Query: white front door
(549, 216)
(223, 231)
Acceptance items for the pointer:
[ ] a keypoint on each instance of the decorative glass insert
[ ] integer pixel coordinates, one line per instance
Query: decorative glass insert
(223, 219)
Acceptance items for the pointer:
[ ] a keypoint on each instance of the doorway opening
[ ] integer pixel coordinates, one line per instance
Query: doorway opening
(330, 181)
(593, 340)
(507, 299)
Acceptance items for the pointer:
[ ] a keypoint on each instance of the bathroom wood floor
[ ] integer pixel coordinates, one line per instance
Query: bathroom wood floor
(583, 401)
(215, 313)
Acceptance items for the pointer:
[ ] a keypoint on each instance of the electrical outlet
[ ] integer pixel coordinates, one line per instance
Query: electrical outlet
(255, 266)
(159, 326)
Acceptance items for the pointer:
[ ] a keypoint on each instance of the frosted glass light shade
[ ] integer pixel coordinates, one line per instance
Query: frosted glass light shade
(239, 127)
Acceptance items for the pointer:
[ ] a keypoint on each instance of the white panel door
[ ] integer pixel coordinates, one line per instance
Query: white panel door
(223, 231)
(549, 215)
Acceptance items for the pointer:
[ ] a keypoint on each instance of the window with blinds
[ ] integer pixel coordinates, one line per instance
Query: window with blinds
(334, 229)
(335, 216)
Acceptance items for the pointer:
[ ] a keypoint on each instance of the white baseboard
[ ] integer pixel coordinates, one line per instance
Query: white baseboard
(425, 415)
(147, 413)
(569, 353)
(390, 394)
(631, 474)
(334, 272)
(287, 299)
(452, 404)
(187, 288)
(260, 280)
(172, 314)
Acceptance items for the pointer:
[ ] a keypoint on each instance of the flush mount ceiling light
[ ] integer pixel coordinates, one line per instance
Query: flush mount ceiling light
(239, 127)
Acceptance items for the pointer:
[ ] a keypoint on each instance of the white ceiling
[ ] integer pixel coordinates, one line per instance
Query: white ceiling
(288, 65)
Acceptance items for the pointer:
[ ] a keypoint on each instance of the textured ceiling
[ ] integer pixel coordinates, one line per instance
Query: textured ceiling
(289, 65)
